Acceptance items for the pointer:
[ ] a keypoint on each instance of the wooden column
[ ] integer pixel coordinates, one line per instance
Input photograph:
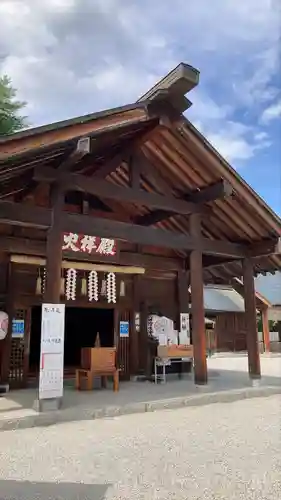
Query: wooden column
(7, 342)
(134, 339)
(251, 319)
(143, 338)
(183, 280)
(265, 330)
(197, 306)
(54, 250)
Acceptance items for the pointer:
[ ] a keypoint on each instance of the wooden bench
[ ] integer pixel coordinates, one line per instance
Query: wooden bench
(97, 362)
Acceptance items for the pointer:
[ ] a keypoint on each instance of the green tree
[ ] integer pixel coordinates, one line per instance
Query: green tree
(10, 119)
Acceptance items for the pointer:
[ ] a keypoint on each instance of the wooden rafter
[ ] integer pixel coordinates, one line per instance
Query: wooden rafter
(23, 142)
(83, 148)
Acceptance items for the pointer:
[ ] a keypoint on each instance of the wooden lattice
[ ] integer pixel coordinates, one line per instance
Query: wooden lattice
(17, 356)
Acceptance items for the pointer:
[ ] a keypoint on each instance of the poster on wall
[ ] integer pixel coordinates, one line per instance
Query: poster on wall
(124, 328)
(18, 328)
(52, 351)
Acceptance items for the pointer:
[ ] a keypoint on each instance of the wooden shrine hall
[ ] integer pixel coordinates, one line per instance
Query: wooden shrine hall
(116, 214)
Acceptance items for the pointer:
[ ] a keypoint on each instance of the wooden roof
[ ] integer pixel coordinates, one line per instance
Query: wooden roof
(183, 163)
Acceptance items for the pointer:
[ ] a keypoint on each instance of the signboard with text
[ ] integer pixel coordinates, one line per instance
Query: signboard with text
(91, 245)
(18, 328)
(124, 329)
(52, 351)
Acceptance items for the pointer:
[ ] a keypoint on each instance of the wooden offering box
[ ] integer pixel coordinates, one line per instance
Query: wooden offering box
(98, 361)
(175, 351)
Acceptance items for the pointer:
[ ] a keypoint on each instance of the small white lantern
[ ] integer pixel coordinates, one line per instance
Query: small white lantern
(4, 322)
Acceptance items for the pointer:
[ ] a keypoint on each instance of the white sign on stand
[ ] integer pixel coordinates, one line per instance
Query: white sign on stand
(52, 351)
(184, 333)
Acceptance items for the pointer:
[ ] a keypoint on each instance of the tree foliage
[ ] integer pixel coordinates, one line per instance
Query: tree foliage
(10, 118)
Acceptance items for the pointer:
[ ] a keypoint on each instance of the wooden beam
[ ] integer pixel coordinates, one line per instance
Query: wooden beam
(20, 214)
(213, 192)
(27, 215)
(26, 246)
(108, 167)
(197, 307)
(251, 319)
(83, 148)
(79, 266)
(238, 285)
(148, 236)
(267, 247)
(217, 191)
(105, 189)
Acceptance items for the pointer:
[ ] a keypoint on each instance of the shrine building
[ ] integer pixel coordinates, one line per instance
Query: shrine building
(118, 214)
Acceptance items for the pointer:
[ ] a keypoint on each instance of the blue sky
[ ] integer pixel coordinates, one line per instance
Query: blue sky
(71, 57)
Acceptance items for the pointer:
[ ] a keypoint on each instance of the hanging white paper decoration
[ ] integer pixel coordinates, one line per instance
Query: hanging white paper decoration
(111, 288)
(93, 286)
(41, 282)
(71, 276)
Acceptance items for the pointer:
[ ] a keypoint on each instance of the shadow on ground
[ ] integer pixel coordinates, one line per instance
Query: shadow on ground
(25, 490)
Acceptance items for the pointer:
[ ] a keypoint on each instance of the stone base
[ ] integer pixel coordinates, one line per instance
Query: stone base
(255, 382)
(45, 405)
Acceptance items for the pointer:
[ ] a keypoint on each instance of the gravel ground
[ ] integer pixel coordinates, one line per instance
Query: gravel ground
(222, 452)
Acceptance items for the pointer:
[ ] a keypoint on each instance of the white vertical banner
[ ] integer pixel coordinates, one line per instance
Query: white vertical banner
(52, 351)
(184, 333)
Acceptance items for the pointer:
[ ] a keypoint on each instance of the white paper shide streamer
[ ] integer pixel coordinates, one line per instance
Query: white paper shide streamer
(93, 286)
(70, 288)
(43, 282)
(111, 288)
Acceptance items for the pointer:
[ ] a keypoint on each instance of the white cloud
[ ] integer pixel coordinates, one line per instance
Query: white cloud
(70, 57)
(271, 113)
(261, 136)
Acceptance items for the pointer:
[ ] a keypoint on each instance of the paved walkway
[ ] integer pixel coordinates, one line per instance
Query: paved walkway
(228, 381)
(223, 452)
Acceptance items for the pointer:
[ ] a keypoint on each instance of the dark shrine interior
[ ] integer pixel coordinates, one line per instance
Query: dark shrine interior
(81, 328)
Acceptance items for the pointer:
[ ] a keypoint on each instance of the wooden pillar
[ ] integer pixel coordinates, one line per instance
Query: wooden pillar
(143, 338)
(251, 319)
(7, 342)
(265, 330)
(135, 333)
(197, 306)
(54, 250)
(183, 280)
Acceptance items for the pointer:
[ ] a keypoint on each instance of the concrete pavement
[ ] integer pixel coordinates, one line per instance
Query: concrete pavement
(220, 452)
(228, 381)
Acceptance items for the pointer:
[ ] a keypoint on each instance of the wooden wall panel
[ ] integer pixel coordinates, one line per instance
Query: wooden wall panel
(160, 296)
(230, 329)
